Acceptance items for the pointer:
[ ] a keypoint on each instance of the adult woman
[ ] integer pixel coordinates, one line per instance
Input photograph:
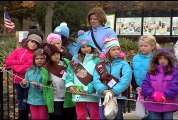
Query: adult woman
(96, 20)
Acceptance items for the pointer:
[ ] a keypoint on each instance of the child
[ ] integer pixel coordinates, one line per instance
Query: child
(161, 85)
(69, 105)
(19, 61)
(56, 69)
(110, 70)
(141, 61)
(33, 79)
(64, 31)
(79, 78)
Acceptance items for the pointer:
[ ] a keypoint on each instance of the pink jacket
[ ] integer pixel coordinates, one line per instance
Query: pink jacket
(19, 61)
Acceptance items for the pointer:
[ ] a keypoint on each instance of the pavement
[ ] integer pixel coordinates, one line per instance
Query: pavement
(132, 115)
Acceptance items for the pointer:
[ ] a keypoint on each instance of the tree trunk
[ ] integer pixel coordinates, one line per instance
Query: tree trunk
(49, 17)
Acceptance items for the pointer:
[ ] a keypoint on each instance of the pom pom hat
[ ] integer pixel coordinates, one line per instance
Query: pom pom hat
(109, 42)
(62, 29)
(83, 39)
(53, 36)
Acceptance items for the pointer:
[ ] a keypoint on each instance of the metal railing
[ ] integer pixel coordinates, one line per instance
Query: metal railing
(8, 101)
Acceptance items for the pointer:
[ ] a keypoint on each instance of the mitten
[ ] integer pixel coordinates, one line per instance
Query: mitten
(159, 97)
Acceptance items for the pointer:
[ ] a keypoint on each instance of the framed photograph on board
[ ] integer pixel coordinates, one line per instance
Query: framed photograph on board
(156, 26)
(128, 26)
(110, 20)
(174, 25)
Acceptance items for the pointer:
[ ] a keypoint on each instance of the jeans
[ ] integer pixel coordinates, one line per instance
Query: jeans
(22, 96)
(160, 115)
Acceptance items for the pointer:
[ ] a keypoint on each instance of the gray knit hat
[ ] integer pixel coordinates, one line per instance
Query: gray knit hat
(35, 38)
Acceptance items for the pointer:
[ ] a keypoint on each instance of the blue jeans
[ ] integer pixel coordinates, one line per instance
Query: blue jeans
(119, 115)
(22, 96)
(160, 115)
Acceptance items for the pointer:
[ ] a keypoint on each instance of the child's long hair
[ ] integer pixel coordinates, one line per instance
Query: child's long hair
(149, 39)
(154, 62)
(37, 52)
(94, 51)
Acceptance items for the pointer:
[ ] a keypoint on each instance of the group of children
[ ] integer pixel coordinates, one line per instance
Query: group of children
(54, 87)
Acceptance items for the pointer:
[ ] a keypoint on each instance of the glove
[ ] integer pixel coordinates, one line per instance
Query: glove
(107, 97)
(159, 97)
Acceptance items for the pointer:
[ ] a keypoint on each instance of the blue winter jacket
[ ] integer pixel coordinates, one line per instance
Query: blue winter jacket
(141, 64)
(114, 69)
(100, 33)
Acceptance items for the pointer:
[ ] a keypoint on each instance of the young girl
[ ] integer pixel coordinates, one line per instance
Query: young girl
(56, 69)
(69, 105)
(161, 85)
(64, 31)
(32, 81)
(114, 69)
(19, 61)
(79, 78)
(141, 61)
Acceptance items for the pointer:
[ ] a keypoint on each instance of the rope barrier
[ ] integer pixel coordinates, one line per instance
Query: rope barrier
(95, 95)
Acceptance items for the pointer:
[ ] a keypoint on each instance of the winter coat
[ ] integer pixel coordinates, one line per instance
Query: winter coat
(166, 83)
(35, 94)
(141, 64)
(19, 61)
(118, 67)
(100, 32)
(72, 80)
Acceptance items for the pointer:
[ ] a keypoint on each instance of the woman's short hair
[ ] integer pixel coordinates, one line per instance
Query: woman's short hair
(100, 14)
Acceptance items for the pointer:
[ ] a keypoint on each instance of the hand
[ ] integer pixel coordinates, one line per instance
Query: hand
(82, 92)
(36, 84)
(73, 90)
(159, 97)
(24, 81)
(138, 89)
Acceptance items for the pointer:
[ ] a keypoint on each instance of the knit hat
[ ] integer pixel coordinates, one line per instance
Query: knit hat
(49, 50)
(83, 39)
(109, 42)
(35, 38)
(168, 53)
(53, 36)
(62, 29)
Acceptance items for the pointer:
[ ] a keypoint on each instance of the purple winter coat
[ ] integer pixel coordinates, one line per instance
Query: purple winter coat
(168, 84)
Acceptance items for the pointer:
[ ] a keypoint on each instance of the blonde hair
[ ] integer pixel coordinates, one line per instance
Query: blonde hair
(149, 39)
(100, 14)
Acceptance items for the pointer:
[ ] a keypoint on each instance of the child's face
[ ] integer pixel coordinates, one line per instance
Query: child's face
(114, 52)
(32, 44)
(55, 57)
(145, 48)
(162, 60)
(86, 49)
(57, 43)
(40, 60)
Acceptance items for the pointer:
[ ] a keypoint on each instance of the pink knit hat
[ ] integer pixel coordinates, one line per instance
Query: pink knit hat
(53, 36)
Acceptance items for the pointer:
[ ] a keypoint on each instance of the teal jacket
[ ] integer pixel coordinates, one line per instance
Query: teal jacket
(35, 94)
(89, 64)
(141, 64)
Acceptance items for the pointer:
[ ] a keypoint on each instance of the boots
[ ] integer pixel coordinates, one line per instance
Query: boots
(23, 115)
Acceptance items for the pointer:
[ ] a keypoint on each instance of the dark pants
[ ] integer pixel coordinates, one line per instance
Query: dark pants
(23, 106)
(70, 113)
(160, 115)
(119, 115)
